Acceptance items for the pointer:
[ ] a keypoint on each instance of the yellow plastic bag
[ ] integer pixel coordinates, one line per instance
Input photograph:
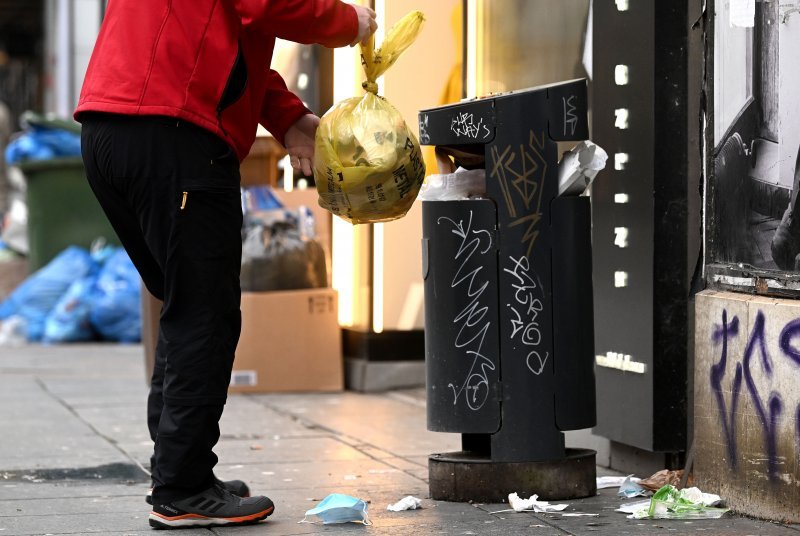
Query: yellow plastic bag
(367, 163)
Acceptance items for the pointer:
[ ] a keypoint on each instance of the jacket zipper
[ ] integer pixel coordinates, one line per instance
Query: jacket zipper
(238, 70)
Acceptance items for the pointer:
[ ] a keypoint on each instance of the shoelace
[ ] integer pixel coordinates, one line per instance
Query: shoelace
(222, 492)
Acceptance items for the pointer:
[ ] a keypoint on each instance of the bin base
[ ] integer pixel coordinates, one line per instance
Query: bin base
(465, 476)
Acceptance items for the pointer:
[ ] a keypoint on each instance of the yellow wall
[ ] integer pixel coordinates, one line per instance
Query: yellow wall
(415, 82)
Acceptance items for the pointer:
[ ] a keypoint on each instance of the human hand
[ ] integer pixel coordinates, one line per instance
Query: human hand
(366, 24)
(299, 141)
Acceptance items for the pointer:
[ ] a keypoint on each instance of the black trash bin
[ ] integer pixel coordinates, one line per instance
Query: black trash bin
(509, 336)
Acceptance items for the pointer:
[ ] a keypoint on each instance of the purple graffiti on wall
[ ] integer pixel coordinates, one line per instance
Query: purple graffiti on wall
(717, 373)
(789, 331)
(768, 422)
(770, 414)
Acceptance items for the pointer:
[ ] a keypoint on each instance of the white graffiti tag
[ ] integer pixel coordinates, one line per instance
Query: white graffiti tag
(527, 305)
(471, 320)
(464, 124)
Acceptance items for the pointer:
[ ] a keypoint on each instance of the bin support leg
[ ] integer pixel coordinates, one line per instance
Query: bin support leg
(466, 476)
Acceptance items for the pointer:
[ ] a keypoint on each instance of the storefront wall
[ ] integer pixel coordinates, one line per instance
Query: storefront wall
(747, 331)
(417, 81)
(747, 405)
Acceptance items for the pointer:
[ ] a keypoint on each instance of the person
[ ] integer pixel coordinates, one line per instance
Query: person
(169, 106)
(785, 244)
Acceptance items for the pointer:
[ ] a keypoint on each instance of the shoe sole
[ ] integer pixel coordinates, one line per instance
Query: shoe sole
(158, 521)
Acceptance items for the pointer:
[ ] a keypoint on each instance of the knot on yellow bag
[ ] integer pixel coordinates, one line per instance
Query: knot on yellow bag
(372, 87)
(367, 163)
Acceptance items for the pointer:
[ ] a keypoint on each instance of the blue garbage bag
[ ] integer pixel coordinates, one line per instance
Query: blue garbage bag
(116, 306)
(38, 294)
(41, 143)
(69, 319)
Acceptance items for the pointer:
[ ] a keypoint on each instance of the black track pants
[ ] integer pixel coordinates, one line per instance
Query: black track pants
(171, 192)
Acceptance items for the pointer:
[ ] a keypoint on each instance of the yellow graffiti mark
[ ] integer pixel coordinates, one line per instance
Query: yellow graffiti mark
(521, 175)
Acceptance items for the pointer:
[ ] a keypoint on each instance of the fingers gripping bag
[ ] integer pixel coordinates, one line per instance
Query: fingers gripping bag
(367, 163)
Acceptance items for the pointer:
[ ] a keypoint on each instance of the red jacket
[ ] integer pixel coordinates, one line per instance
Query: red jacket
(207, 61)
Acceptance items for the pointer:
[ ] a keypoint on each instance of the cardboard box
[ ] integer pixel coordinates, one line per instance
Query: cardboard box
(290, 341)
(261, 164)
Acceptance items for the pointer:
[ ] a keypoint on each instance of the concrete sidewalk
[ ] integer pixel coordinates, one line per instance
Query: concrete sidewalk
(73, 441)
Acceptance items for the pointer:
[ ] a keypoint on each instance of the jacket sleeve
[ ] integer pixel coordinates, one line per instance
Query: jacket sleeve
(280, 108)
(331, 23)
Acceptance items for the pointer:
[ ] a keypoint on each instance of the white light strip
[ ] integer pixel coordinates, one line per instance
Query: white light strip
(621, 199)
(621, 115)
(620, 279)
(621, 75)
(346, 83)
(622, 5)
(621, 237)
(377, 229)
(620, 159)
(380, 33)
(623, 362)
(343, 272)
(377, 277)
(288, 175)
(346, 65)
(471, 61)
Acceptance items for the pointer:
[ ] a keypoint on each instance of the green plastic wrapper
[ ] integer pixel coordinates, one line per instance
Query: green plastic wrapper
(670, 503)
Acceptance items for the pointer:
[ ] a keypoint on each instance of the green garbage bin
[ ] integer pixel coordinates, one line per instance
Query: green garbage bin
(62, 210)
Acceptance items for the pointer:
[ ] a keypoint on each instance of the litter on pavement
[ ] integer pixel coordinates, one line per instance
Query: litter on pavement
(604, 482)
(531, 504)
(406, 503)
(339, 508)
(671, 503)
(630, 488)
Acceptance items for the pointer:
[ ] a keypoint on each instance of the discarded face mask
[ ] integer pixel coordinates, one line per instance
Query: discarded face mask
(340, 508)
(630, 488)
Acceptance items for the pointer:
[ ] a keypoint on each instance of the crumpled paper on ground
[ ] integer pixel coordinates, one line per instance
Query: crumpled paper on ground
(532, 504)
(406, 503)
(661, 478)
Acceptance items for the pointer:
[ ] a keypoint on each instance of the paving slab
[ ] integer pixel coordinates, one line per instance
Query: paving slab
(285, 450)
(336, 474)
(389, 424)
(244, 416)
(39, 431)
(66, 489)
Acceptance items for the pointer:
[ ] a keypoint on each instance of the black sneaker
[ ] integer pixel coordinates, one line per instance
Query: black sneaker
(237, 487)
(215, 506)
